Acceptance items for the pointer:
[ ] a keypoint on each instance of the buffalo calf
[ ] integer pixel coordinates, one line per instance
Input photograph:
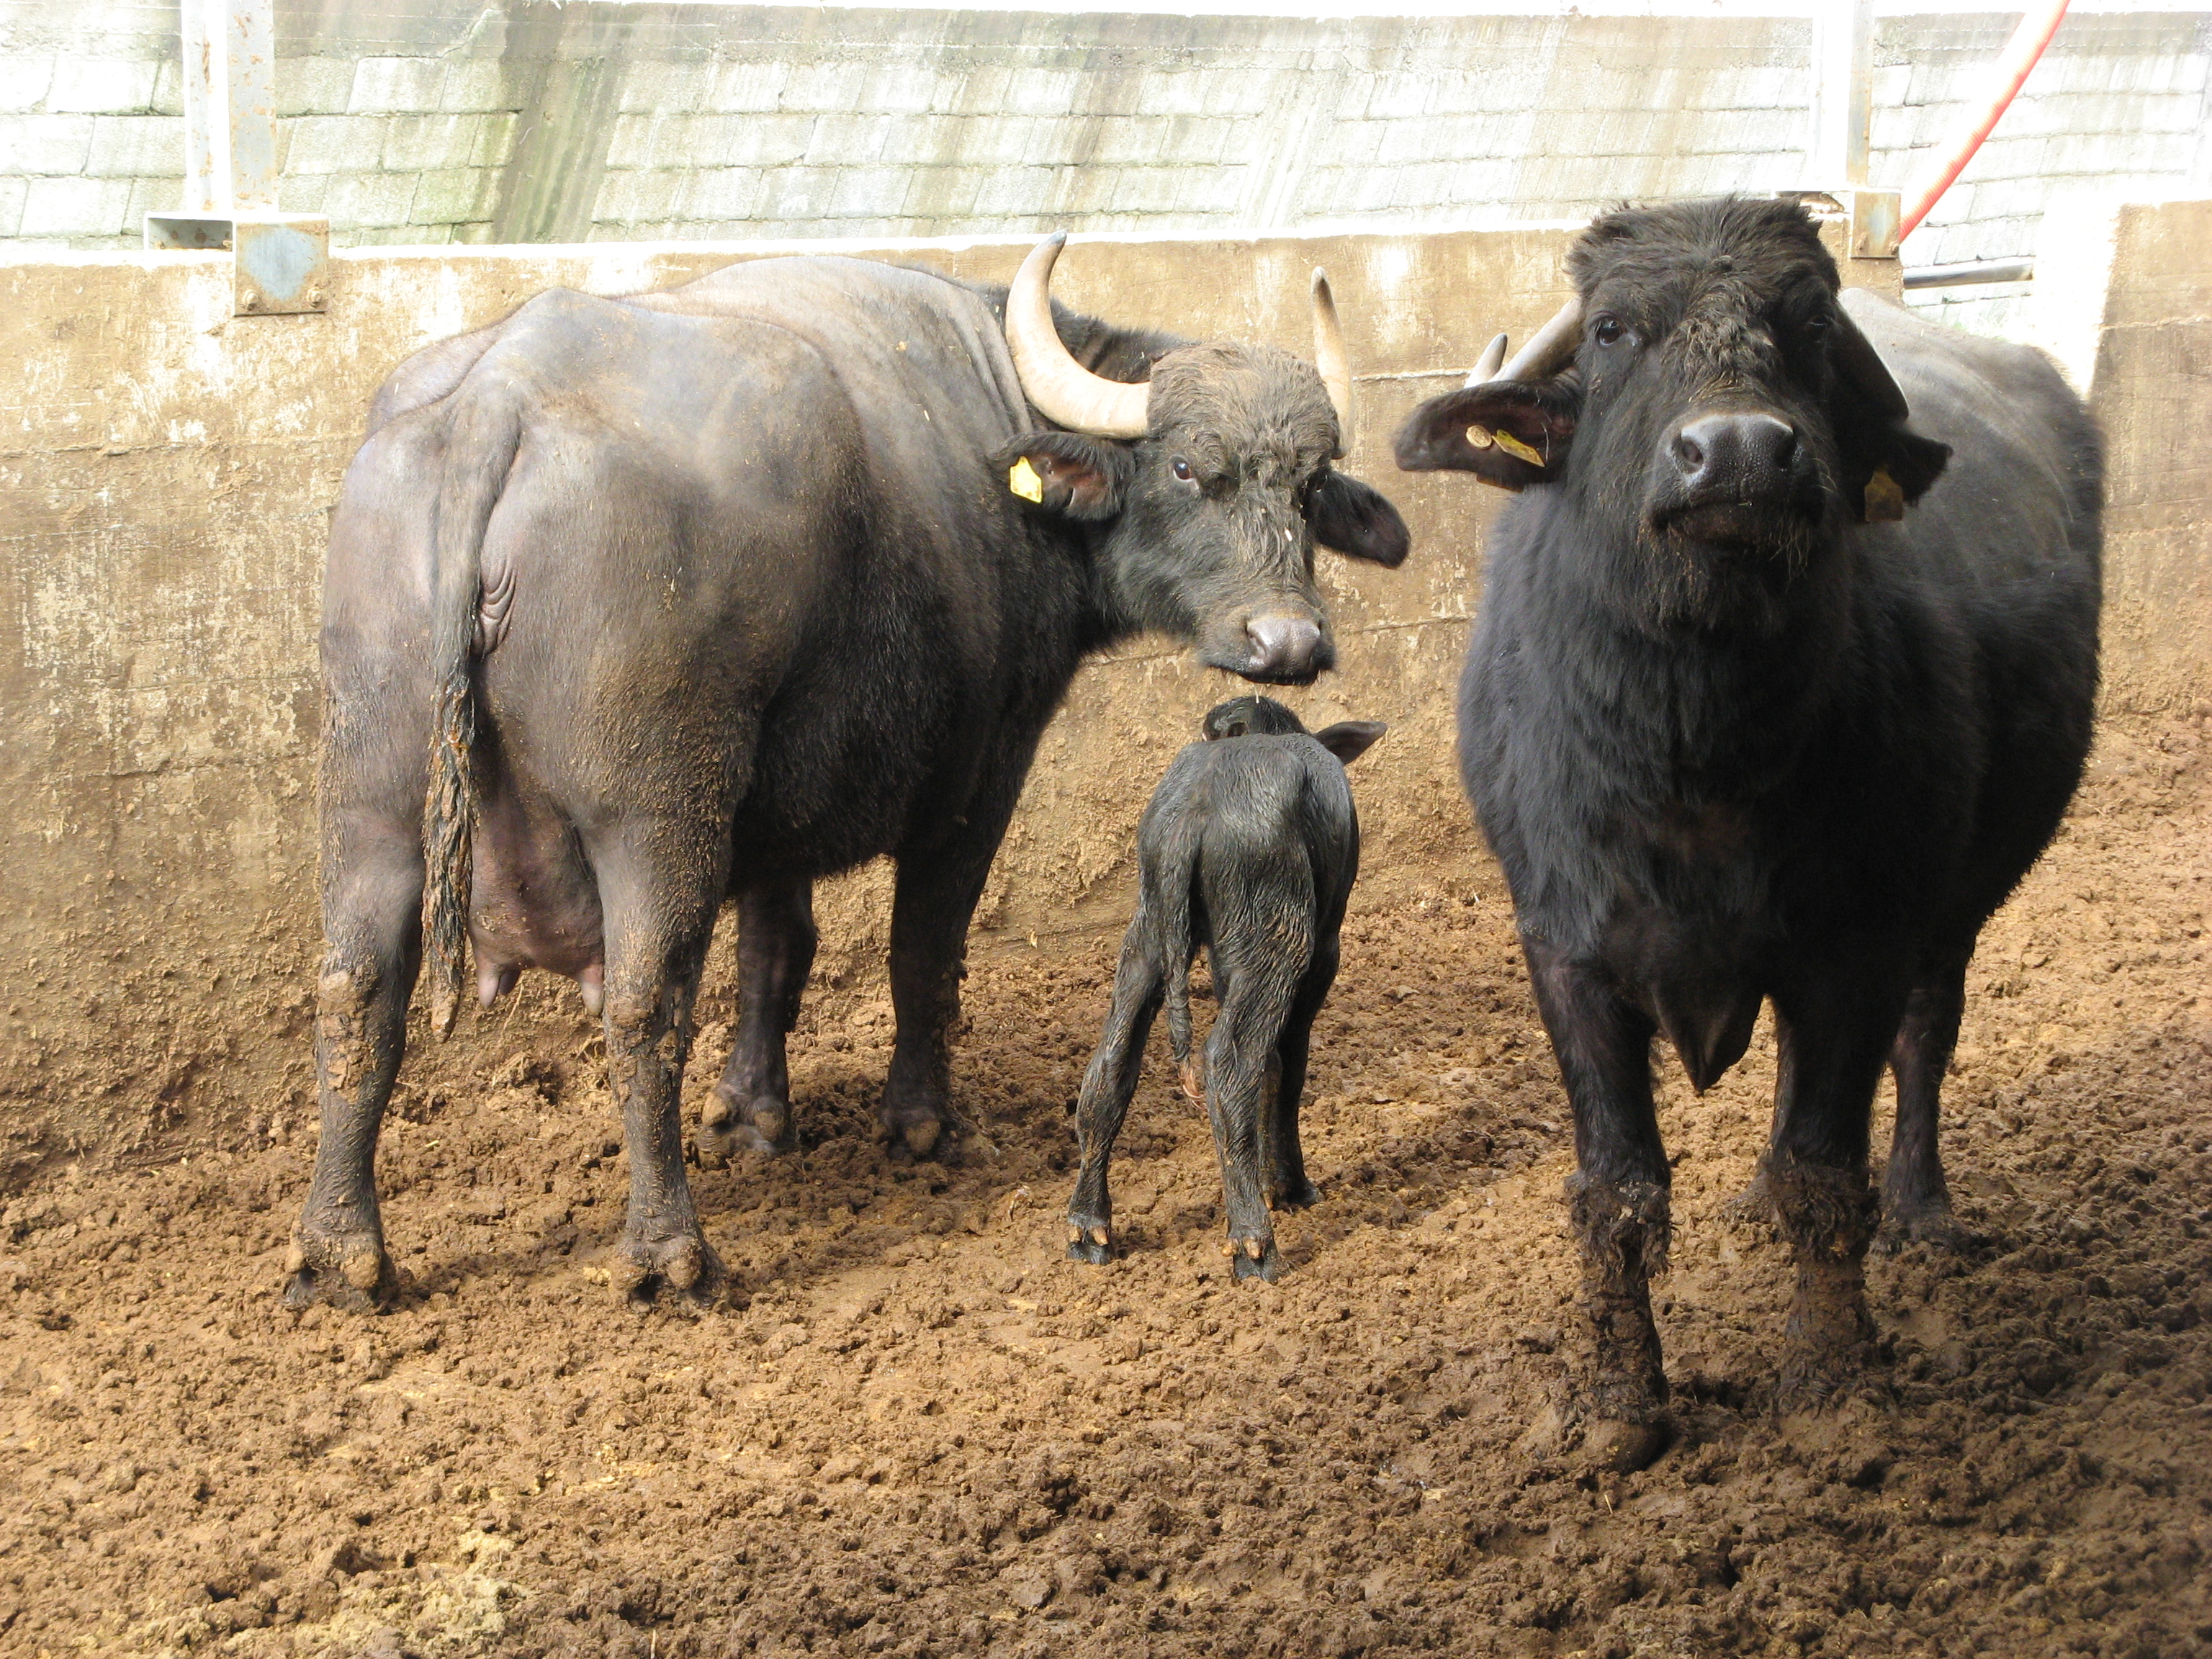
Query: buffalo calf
(1783, 677)
(1249, 848)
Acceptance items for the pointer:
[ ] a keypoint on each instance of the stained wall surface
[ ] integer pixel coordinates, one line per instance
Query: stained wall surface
(167, 473)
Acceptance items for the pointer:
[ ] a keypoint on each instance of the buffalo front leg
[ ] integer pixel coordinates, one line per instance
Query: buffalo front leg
(373, 928)
(750, 1108)
(1915, 1200)
(1107, 1084)
(1617, 1199)
(1831, 1039)
(660, 917)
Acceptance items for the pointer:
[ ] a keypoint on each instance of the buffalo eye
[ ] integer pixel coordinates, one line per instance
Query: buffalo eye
(1181, 469)
(1607, 330)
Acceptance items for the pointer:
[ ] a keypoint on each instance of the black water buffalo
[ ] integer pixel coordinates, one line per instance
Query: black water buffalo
(1249, 848)
(1740, 724)
(636, 604)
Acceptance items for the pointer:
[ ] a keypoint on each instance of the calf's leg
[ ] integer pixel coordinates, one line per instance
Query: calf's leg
(1831, 1038)
(373, 907)
(751, 1109)
(1617, 1199)
(1288, 1186)
(1915, 1201)
(1108, 1082)
(1261, 948)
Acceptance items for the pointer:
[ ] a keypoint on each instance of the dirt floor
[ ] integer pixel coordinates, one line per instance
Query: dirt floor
(922, 1431)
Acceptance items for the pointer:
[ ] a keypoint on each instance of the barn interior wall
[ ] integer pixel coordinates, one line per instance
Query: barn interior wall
(167, 473)
(435, 121)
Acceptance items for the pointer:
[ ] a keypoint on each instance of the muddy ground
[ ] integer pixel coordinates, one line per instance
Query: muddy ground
(924, 1432)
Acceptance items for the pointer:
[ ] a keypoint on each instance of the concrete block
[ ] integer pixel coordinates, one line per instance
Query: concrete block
(39, 145)
(454, 196)
(1035, 91)
(422, 144)
(725, 194)
(746, 85)
(797, 194)
(826, 87)
(309, 193)
(11, 205)
(639, 196)
(75, 207)
(981, 90)
(1182, 91)
(661, 88)
(474, 84)
(495, 139)
(129, 146)
(864, 192)
(24, 78)
(1146, 190)
(941, 200)
(312, 86)
(767, 140)
(396, 86)
(333, 143)
(1003, 141)
(847, 141)
(169, 89)
(362, 201)
(900, 89)
(1015, 193)
(101, 86)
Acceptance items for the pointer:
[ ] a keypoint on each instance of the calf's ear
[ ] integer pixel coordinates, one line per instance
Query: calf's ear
(1067, 473)
(1356, 520)
(1507, 433)
(1349, 739)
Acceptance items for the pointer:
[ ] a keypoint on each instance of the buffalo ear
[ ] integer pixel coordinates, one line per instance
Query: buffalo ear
(1349, 739)
(1507, 433)
(1903, 466)
(1067, 473)
(1356, 520)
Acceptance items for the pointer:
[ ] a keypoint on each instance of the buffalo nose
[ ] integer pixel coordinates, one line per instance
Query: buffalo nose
(1283, 646)
(1727, 450)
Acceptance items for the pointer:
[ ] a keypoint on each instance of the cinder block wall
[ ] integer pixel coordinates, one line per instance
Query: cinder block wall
(430, 121)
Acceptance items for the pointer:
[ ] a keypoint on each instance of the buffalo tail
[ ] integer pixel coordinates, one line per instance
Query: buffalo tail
(480, 448)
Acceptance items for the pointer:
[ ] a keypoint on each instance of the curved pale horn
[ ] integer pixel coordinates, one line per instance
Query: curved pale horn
(1492, 359)
(1858, 361)
(1062, 388)
(1331, 358)
(1550, 348)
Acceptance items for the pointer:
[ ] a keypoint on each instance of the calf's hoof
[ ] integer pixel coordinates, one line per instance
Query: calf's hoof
(1611, 1446)
(348, 1270)
(731, 1128)
(1252, 1256)
(1090, 1240)
(1931, 1222)
(1752, 1209)
(678, 1270)
(1299, 1194)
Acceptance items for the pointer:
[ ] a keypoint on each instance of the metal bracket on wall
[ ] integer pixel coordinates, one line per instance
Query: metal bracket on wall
(1869, 217)
(280, 262)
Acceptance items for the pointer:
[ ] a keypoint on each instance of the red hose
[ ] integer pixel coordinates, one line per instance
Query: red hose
(2021, 54)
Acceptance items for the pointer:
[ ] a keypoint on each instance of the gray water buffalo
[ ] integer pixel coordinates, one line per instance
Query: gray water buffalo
(635, 605)
(1784, 678)
(1248, 848)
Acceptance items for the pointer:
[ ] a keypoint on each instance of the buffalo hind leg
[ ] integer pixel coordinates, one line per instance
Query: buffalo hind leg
(1107, 1084)
(660, 916)
(1617, 1199)
(1283, 1155)
(1915, 1200)
(750, 1111)
(373, 928)
(1831, 1040)
(1259, 960)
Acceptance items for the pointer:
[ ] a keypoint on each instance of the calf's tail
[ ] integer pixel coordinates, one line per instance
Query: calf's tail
(480, 448)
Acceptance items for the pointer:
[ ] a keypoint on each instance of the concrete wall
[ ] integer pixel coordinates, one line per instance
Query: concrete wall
(166, 474)
(429, 121)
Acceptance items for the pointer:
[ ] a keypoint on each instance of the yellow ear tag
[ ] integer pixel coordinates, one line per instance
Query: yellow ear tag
(1477, 437)
(1022, 480)
(1885, 500)
(1513, 447)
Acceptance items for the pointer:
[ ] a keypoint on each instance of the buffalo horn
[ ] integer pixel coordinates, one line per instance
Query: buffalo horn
(1062, 388)
(1331, 358)
(1858, 361)
(1550, 348)
(1492, 360)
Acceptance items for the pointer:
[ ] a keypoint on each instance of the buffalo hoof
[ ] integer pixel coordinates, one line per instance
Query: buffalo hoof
(1818, 1376)
(731, 1129)
(1089, 1239)
(1929, 1224)
(1612, 1447)
(347, 1270)
(1751, 1210)
(1301, 1195)
(677, 1271)
(1253, 1256)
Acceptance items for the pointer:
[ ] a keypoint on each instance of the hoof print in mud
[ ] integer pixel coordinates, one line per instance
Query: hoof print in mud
(352, 1274)
(1089, 1241)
